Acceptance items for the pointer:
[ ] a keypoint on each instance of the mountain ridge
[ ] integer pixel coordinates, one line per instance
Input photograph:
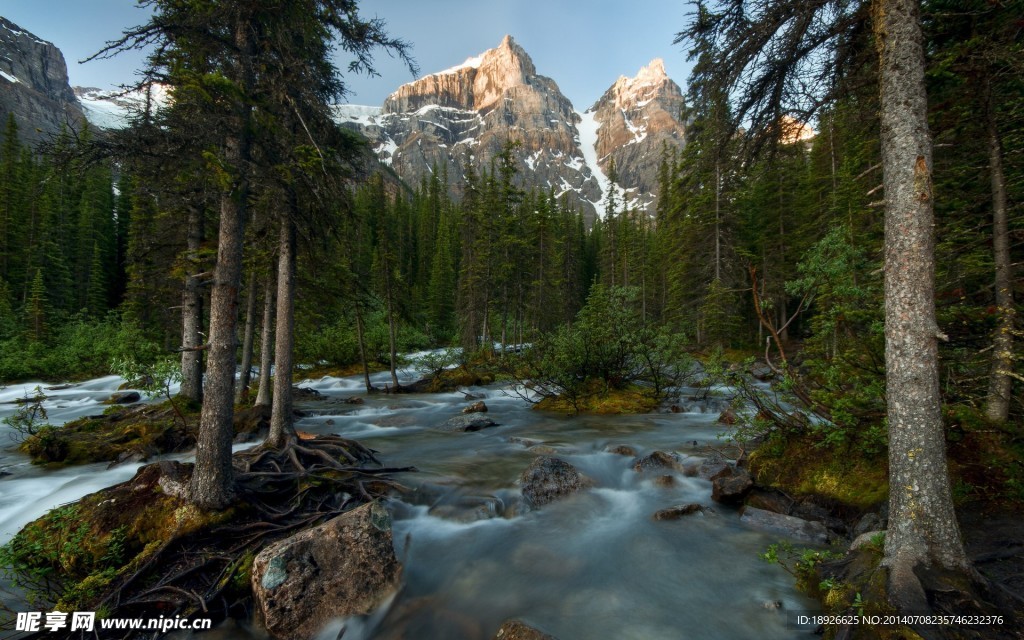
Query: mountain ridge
(467, 112)
(34, 84)
(459, 117)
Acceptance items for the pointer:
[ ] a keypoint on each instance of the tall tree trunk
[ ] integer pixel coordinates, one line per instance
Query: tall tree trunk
(266, 340)
(245, 375)
(360, 335)
(1000, 386)
(923, 531)
(192, 312)
(212, 481)
(718, 220)
(213, 477)
(281, 429)
(392, 339)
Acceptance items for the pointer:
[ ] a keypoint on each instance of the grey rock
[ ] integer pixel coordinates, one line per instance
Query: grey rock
(666, 481)
(870, 522)
(770, 500)
(468, 422)
(124, 397)
(788, 526)
(761, 371)
(658, 460)
(865, 539)
(516, 630)
(40, 97)
(346, 566)
(306, 393)
(731, 487)
(678, 511)
(713, 466)
(622, 450)
(174, 478)
(547, 479)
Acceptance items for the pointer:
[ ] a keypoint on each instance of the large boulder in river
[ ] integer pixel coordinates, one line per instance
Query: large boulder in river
(346, 566)
(547, 479)
(476, 407)
(713, 466)
(788, 526)
(467, 422)
(124, 397)
(658, 460)
(761, 371)
(678, 511)
(731, 487)
(516, 630)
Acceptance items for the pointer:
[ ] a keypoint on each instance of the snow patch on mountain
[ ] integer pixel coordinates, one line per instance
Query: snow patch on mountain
(587, 127)
(470, 63)
(114, 109)
(357, 114)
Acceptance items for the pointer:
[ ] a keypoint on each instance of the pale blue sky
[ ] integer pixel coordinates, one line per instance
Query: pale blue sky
(583, 45)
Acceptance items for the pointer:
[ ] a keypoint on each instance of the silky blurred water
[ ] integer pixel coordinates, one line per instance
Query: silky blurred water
(595, 565)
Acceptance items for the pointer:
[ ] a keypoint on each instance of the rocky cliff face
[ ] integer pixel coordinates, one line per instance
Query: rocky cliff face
(469, 112)
(636, 118)
(34, 84)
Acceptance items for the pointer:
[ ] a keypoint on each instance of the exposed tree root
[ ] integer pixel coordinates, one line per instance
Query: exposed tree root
(280, 492)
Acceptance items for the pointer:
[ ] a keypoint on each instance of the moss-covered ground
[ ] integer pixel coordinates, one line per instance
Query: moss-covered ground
(631, 400)
(137, 431)
(141, 546)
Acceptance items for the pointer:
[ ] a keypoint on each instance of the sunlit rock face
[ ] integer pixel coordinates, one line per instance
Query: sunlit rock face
(34, 85)
(638, 118)
(464, 116)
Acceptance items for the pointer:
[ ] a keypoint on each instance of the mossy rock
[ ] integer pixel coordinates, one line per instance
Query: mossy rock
(453, 379)
(82, 548)
(798, 467)
(131, 433)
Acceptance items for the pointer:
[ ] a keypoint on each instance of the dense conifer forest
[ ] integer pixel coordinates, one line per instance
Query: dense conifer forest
(252, 230)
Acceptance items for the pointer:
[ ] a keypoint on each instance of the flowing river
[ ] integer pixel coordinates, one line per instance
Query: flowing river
(591, 566)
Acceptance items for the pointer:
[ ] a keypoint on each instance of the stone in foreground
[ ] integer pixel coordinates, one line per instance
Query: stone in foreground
(789, 526)
(346, 566)
(516, 630)
(658, 460)
(468, 422)
(678, 511)
(547, 479)
(731, 487)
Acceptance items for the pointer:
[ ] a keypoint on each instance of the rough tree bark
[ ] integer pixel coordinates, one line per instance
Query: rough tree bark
(212, 481)
(266, 340)
(362, 348)
(192, 311)
(923, 531)
(281, 429)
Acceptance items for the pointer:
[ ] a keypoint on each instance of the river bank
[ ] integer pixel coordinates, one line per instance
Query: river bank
(598, 564)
